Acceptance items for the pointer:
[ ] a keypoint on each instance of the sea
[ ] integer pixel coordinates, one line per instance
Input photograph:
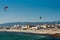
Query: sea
(21, 36)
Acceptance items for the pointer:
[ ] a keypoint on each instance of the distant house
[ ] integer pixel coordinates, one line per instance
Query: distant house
(58, 26)
(50, 26)
(26, 27)
(32, 27)
(1, 27)
(16, 27)
(43, 26)
(7, 27)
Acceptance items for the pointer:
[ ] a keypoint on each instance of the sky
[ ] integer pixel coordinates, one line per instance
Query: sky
(29, 11)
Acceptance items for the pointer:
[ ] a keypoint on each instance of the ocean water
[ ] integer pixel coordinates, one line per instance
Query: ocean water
(20, 36)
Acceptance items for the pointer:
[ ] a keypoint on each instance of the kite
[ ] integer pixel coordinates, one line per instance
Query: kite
(5, 8)
(40, 17)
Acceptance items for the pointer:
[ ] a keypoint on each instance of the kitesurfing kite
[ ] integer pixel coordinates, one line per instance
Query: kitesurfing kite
(40, 17)
(5, 8)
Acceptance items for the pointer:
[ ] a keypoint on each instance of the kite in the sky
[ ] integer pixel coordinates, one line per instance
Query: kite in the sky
(5, 8)
(40, 17)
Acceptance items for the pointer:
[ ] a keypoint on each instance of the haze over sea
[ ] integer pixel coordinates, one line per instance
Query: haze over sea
(20, 36)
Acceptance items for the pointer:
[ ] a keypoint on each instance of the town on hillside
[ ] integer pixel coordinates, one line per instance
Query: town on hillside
(32, 27)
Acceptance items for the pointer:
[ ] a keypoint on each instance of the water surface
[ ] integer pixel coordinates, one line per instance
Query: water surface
(20, 36)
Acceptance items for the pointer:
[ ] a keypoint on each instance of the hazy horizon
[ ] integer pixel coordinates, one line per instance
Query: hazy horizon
(29, 11)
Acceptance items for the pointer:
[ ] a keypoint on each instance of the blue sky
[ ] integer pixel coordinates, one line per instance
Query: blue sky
(29, 10)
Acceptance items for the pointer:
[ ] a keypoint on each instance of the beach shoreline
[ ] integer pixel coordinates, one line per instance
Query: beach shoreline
(36, 32)
(42, 31)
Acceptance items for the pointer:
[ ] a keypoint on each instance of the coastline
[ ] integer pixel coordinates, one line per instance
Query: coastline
(36, 32)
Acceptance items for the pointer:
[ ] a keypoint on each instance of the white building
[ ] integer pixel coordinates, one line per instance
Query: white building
(34, 28)
(43, 26)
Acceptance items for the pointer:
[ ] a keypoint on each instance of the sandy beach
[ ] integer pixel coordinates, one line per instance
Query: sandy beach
(41, 31)
(50, 32)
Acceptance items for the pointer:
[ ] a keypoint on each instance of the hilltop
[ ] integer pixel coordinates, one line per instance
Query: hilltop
(30, 23)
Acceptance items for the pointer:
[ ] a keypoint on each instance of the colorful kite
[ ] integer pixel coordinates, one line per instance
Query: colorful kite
(5, 8)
